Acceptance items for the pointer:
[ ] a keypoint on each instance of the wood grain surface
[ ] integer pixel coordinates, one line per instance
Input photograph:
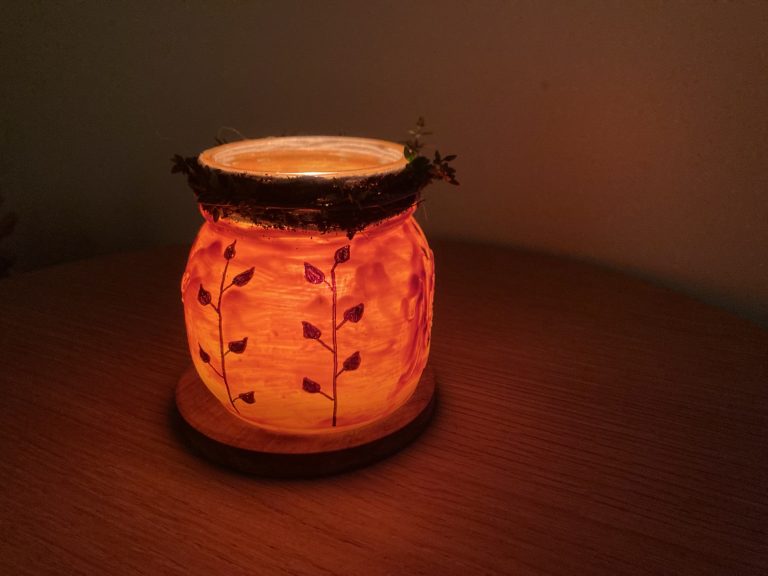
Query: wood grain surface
(588, 423)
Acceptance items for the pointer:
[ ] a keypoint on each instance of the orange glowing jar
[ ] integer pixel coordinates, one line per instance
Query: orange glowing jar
(308, 291)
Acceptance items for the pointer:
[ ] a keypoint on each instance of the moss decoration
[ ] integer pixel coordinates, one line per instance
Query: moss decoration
(322, 204)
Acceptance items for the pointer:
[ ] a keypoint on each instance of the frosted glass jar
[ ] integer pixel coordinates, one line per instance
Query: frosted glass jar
(294, 323)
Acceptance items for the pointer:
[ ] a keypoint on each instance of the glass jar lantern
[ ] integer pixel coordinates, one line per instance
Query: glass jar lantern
(307, 298)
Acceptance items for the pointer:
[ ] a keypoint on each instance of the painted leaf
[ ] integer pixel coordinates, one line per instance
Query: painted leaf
(353, 362)
(342, 254)
(204, 356)
(229, 251)
(238, 346)
(243, 278)
(203, 296)
(310, 386)
(312, 274)
(311, 331)
(247, 397)
(354, 314)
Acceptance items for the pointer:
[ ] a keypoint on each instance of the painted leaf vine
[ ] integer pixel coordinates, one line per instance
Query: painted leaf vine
(353, 315)
(205, 298)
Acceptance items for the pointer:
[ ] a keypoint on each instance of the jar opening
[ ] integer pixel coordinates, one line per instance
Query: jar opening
(307, 156)
(321, 183)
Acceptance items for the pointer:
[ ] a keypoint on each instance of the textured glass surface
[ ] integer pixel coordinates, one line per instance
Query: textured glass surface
(294, 330)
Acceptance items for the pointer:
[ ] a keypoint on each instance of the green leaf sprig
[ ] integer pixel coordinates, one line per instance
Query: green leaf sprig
(438, 167)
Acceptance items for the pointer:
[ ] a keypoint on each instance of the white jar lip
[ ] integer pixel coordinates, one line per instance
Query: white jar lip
(306, 156)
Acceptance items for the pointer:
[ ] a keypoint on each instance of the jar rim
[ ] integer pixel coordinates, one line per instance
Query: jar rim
(364, 181)
(321, 157)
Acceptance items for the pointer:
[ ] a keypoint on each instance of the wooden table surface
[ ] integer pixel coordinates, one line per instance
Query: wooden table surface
(588, 423)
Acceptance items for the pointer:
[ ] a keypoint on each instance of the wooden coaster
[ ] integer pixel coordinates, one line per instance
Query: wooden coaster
(226, 439)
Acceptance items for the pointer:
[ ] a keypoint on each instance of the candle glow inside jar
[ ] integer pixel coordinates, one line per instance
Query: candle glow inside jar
(307, 312)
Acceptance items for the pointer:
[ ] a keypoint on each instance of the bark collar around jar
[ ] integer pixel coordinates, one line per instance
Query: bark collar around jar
(312, 201)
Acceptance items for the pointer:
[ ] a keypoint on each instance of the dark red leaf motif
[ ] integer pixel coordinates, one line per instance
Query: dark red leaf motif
(311, 331)
(342, 254)
(229, 251)
(247, 397)
(238, 346)
(312, 274)
(243, 278)
(354, 314)
(203, 296)
(353, 362)
(310, 386)
(204, 356)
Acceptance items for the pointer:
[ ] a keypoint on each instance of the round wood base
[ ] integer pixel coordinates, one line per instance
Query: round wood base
(226, 439)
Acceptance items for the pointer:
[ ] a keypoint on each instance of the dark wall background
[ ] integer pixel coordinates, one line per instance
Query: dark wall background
(634, 134)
